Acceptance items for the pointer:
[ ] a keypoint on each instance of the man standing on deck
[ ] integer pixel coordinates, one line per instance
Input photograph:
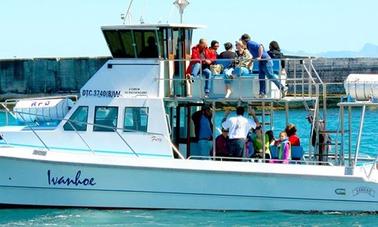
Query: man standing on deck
(239, 127)
(265, 64)
(203, 128)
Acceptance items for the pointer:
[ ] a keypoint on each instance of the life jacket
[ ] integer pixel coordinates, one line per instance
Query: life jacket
(284, 152)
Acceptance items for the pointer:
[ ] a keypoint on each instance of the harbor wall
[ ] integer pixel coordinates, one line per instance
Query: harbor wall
(335, 70)
(29, 77)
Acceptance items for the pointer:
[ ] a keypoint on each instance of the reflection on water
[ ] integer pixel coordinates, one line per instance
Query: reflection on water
(123, 217)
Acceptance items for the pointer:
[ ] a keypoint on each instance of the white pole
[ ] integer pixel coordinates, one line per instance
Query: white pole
(181, 5)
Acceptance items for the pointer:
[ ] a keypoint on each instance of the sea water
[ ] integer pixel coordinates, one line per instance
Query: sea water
(137, 217)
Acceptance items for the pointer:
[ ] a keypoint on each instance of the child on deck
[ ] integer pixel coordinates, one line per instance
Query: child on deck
(284, 149)
(284, 152)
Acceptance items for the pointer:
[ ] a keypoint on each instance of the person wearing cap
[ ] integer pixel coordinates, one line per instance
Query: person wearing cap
(265, 64)
(221, 144)
(238, 127)
(203, 128)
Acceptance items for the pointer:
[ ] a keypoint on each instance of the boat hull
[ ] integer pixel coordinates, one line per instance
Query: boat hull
(56, 183)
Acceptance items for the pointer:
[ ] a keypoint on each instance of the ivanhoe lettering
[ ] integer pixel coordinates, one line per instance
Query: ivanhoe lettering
(63, 180)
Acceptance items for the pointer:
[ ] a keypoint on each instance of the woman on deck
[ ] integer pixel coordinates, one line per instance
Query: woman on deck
(243, 63)
(291, 132)
(275, 53)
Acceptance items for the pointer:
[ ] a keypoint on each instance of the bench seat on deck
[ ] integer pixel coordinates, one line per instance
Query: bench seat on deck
(296, 152)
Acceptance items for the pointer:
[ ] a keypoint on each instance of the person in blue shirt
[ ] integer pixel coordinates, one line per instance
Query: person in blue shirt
(203, 128)
(265, 64)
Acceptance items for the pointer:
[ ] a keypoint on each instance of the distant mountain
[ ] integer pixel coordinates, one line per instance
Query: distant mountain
(368, 50)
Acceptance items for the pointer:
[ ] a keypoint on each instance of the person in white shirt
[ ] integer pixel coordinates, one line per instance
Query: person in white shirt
(239, 127)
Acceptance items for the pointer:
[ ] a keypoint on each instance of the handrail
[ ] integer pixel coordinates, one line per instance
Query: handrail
(316, 73)
(374, 166)
(257, 160)
(172, 92)
(82, 139)
(359, 135)
(127, 144)
(34, 132)
(309, 74)
(115, 129)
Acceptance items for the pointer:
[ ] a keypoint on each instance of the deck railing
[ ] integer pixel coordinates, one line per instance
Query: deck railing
(301, 78)
(260, 160)
(34, 130)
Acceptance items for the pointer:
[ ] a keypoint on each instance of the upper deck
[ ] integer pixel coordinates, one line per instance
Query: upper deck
(170, 45)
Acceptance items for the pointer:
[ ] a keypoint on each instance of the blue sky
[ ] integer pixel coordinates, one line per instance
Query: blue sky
(71, 28)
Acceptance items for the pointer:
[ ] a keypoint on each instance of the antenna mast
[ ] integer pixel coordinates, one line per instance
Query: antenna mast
(181, 5)
(127, 16)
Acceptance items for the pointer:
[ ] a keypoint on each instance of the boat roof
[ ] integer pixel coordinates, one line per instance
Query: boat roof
(150, 26)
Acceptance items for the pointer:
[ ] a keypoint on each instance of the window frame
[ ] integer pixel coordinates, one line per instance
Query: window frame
(102, 128)
(71, 124)
(137, 127)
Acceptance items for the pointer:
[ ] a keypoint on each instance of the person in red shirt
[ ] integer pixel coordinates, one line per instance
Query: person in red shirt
(202, 57)
(214, 46)
(291, 132)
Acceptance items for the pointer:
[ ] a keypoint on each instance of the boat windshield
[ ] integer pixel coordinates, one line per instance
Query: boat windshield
(134, 43)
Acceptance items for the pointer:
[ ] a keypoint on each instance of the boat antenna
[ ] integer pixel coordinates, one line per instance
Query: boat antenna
(181, 5)
(127, 16)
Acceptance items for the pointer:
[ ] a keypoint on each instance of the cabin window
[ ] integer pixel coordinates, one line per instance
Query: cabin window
(105, 118)
(136, 119)
(146, 44)
(134, 43)
(78, 120)
(128, 44)
(115, 45)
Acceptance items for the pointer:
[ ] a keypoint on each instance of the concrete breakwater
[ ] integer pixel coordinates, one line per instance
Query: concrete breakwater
(29, 77)
(334, 71)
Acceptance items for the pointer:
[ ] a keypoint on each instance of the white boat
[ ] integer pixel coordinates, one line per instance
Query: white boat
(126, 142)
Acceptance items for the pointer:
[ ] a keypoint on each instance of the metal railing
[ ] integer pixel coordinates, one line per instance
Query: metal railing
(374, 166)
(72, 122)
(260, 160)
(178, 85)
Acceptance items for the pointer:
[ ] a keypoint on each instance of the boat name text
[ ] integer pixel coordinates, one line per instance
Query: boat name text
(76, 181)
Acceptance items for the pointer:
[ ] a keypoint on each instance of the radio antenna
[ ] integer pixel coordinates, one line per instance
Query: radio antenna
(127, 16)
